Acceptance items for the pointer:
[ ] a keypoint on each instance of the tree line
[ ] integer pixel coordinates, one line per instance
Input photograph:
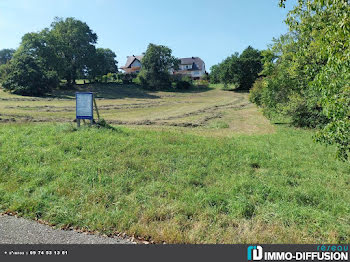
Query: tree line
(65, 51)
(307, 72)
(240, 70)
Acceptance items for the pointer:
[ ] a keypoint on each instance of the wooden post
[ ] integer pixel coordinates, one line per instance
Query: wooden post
(78, 123)
(98, 114)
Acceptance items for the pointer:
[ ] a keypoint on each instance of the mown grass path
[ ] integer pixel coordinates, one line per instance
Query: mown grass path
(212, 110)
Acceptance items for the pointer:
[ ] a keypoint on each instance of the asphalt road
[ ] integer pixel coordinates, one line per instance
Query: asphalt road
(15, 230)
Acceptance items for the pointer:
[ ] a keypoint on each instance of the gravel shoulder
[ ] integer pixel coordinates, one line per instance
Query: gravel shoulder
(15, 230)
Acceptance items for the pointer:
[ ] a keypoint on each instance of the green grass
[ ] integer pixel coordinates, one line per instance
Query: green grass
(133, 106)
(175, 186)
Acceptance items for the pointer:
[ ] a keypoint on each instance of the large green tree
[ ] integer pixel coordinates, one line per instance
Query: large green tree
(239, 70)
(73, 43)
(156, 65)
(214, 75)
(25, 75)
(40, 47)
(230, 70)
(66, 48)
(250, 66)
(103, 62)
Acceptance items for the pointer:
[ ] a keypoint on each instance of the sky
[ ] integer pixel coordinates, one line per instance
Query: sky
(209, 29)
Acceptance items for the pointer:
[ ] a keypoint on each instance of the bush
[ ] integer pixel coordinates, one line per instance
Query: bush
(181, 82)
(159, 81)
(202, 82)
(110, 76)
(255, 93)
(205, 77)
(25, 76)
(104, 79)
(182, 85)
(305, 111)
(126, 78)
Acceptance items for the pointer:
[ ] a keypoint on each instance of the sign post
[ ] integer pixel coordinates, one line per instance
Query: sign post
(84, 106)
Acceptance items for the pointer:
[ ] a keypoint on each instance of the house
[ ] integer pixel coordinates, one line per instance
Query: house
(193, 67)
(133, 64)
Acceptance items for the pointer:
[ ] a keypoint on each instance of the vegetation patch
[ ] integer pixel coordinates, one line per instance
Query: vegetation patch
(177, 187)
(219, 124)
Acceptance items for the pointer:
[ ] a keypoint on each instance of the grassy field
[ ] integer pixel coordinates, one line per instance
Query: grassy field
(212, 110)
(232, 178)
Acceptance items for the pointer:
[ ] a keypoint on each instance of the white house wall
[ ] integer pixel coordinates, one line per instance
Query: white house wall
(197, 73)
(136, 63)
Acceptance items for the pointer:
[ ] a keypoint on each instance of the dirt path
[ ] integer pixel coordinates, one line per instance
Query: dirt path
(14, 230)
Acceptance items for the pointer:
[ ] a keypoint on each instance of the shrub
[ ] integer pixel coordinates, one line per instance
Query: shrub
(126, 78)
(25, 76)
(202, 82)
(304, 111)
(111, 77)
(255, 93)
(205, 77)
(159, 81)
(181, 82)
(104, 79)
(182, 85)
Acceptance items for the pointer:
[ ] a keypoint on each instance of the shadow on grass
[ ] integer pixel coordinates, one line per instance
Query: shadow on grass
(119, 91)
(191, 90)
(240, 91)
(282, 123)
(106, 91)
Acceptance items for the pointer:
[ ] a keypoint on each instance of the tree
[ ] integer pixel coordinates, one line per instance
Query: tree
(250, 67)
(40, 47)
(66, 49)
(239, 70)
(230, 70)
(6, 55)
(102, 63)
(73, 44)
(214, 75)
(156, 64)
(25, 76)
(312, 71)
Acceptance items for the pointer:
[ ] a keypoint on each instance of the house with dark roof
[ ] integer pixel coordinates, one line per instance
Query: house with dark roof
(133, 64)
(192, 66)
